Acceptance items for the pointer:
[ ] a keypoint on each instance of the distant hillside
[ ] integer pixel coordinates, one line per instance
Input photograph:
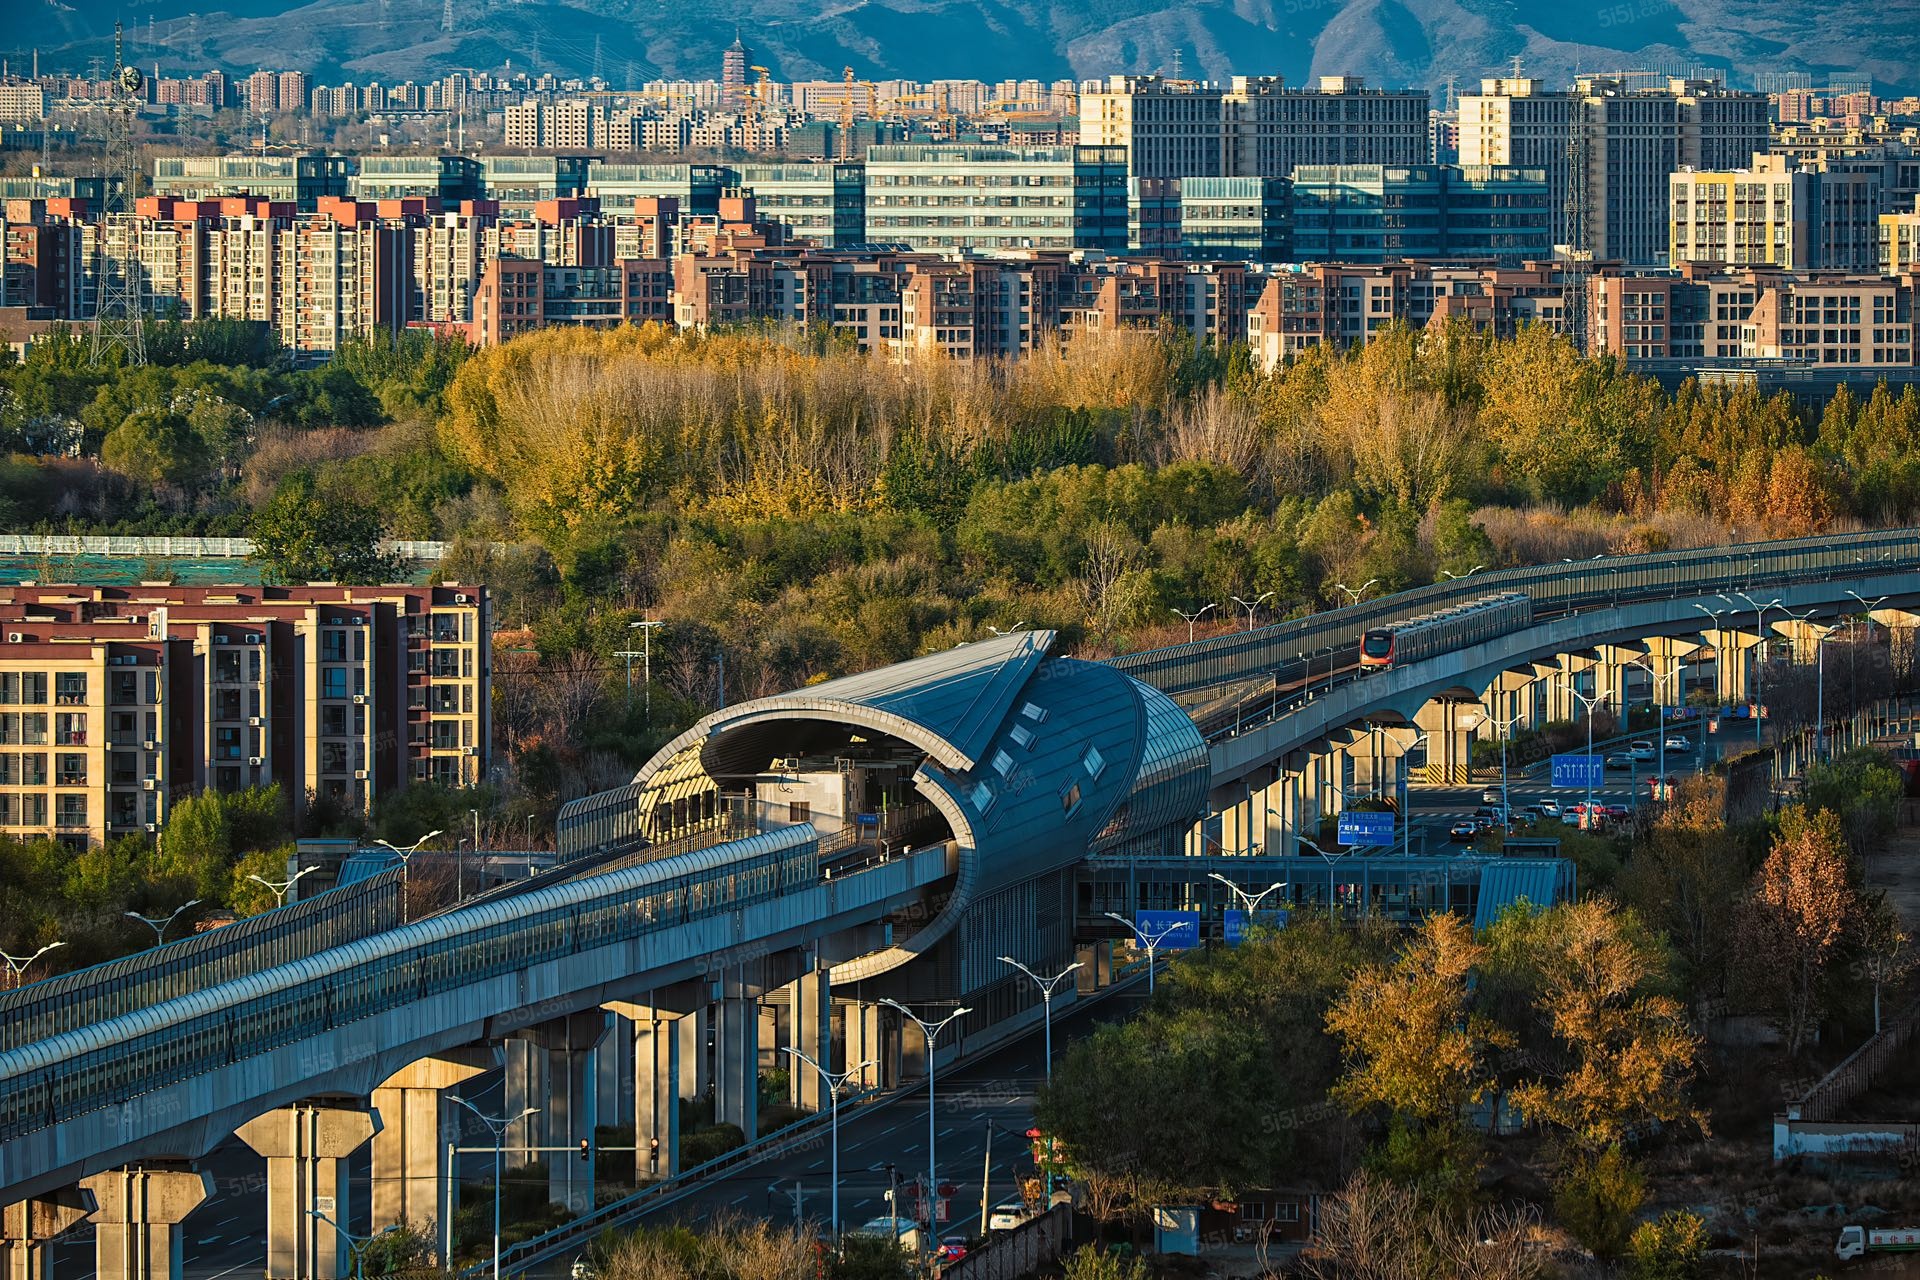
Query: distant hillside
(1394, 42)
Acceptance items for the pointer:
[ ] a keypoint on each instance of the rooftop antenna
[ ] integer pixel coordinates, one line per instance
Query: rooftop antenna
(117, 304)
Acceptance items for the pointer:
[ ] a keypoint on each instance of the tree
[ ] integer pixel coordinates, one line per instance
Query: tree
(1802, 909)
(1091, 1262)
(1686, 878)
(1612, 1052)
(1414, 1045)
(301, 537)
(1376, 1230)
(158, 447)
(1673, 1247)
(1597, 1197)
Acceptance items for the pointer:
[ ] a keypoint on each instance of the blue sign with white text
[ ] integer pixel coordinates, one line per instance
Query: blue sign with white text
(1177, 930)
(1579, 771)
(1356, 827)
(1237, 923)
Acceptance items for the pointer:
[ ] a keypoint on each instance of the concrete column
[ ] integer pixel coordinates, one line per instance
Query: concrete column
(1449, 741)
(554, 1071)
(410, 1148)
(613, 1070)
(27, 1228)
(737, 1079)
(138, 1220)
(1615, 666)
(866, 1036)
(811, 1004)
(1730, 683)
(306, 1146)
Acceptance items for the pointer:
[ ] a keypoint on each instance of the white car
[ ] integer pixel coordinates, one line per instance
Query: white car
(1007, 1215)
(1550, 807)
(1677, 742)
(1643, 751)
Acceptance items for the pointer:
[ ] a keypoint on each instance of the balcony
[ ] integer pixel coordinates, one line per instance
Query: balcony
(71, 738)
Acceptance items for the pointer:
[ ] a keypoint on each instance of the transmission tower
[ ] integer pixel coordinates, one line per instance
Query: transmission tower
(1579, 248)
(117, 308)
(446, 15)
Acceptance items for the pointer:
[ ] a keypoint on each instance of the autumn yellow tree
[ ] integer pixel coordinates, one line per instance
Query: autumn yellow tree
(1802, 909)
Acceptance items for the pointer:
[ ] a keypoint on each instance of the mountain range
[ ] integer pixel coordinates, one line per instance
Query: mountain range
(1389, 42)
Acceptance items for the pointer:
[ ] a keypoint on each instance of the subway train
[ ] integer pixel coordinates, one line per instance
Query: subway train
(1445, 629)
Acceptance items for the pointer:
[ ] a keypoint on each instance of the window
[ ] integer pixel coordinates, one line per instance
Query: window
(1070, 799)
(1095, 762)
(70, 688)
(982, 797)
(1021, 735)
(799, 811)
(1034, 712)
(1002, 763)
(333, 682)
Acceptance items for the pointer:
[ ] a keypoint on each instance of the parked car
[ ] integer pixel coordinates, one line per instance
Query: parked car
(952, 1249)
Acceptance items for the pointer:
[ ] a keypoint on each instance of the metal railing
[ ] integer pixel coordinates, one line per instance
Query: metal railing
(168, 547)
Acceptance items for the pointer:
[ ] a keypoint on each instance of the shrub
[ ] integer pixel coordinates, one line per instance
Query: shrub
(1597, 1197)
(1668, 1249)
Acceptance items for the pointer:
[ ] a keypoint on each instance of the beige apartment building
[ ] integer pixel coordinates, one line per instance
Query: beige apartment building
(118, 702)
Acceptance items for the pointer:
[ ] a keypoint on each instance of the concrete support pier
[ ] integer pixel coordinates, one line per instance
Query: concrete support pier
(306, 1146)
(138, 1221)
(27, 1228)
(416, 1123)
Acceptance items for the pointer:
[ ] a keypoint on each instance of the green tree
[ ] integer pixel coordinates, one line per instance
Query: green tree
(301, 537)
(1672, 1247)
(158, 447)
(1598, 1198)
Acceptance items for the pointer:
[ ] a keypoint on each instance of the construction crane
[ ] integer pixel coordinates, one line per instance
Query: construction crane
(846, 113)
(757, 94)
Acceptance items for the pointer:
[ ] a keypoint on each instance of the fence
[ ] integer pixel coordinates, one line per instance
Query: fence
(161, 548)
(1019, 1252)
(1854, 1075)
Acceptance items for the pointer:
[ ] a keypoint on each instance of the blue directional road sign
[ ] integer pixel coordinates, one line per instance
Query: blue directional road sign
(1357, 827)
(1237, 923)
(1579, 771)
(1184, 926)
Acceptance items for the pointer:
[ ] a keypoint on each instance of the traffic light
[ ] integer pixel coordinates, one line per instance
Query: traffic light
(586, 1152)
(653, 1150)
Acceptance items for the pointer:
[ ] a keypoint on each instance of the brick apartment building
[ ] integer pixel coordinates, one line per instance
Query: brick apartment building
(117, 702)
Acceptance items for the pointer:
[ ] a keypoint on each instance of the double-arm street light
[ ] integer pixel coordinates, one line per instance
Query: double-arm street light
(1148, 940)
(357, 1246)
(157, 924)
(1192, 619)
(1046, 986)
(1356, 594)
(1674, 677)
(1251, 605)
(1760, 659)
(498, 1126)
(17, 965)
(1468, 574)
(931, 1032)
(281, 887)
(406, 864)
(997, 632)
(1329, 859)
(834, 1083)
(1588, 704)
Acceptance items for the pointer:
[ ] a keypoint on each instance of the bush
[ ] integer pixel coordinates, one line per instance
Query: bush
(1597, 1197)
(710, 1144)
(1670, 1249)
(1092, 1263)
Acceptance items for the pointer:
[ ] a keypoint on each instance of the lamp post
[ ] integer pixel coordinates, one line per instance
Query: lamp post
(497, 1126)
(1249, 902)
(406, 865)
(1506, 797)
(17, 965)
(1009, 631)
(834, 1084)
(1329, 859)
(645, 628)
(1587, 704)
(1674, 675)
(1046, 986)
(1251, 605)
(159, 926)
(282, 887)
(931, 1031)
(1148, 942)
(1357, 593)
(1192, 619)
(357, 1246)
(1759, 664)
(1468, 574)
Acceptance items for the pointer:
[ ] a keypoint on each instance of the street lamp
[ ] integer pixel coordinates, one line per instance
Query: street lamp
(498, 1127)
(931, 1031)
(1149, 942)
(1358, 593)
(280, 887)
(1009, 631)
(1588, 704)
(1192, 619)
(17, 965)
(356, 1246)
(1329, 859)
(1249, 902)
(1506, 797)
(834, 1084)
(406, 866)
(645, 628)
(1675, 676)
(159, 926)
(1468, 574)
(1251, 605)
(1046, 986)
(1759, 625)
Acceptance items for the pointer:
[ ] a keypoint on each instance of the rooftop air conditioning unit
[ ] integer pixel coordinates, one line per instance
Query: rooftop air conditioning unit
(461, 597)
(15, 637)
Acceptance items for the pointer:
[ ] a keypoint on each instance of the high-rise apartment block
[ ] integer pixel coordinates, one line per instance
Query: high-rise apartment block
(22, 101)
(1774, 212)
(118, 702)
(1900, 241)
(1608, 148)
(1254, 127)
(1384, 213)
